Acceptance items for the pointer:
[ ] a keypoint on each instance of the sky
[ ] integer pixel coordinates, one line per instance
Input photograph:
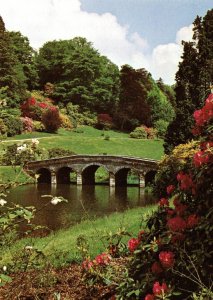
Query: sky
(142, 33)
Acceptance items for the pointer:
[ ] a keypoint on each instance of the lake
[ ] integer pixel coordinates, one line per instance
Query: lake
(83, 202)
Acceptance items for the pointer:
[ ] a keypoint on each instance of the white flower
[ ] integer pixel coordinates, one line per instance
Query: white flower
(22, 148)
(4, 268)
(35, 142)
(56, 200)
(2, 202)
(28, 248)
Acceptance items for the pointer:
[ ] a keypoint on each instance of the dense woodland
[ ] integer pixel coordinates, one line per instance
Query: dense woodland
(70, 83)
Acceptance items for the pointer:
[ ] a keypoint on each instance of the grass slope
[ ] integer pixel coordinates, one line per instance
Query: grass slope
(60, 246)
(91, 141)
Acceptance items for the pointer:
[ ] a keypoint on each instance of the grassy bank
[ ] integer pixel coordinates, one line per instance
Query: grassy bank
(16, 175)
(60, 247)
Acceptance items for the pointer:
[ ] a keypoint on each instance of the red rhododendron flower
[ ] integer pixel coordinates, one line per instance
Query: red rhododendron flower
(170, 212)
(206, 145)
(159, 289)
(133, 244)
(163, 201)
(149, 297)
(177, 238)
(192, 221)
(170, 189)
(176, 224)
(102, 259)
(200, 158)
(140, 234)
(196, 131)
(167, 259)
(179, 207)
(186, 182)
(156, 268)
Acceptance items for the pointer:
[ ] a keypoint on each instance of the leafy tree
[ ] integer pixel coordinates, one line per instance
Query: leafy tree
(12, 77)
(26, 57)
(192, 81)
(79, 74)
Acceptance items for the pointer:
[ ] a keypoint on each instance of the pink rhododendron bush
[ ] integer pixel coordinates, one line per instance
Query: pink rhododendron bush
(172, 258)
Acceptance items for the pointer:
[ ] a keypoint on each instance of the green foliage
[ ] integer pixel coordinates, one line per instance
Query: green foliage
(161, 127)
(79, 74)
(139, 133)
(3, 127)
(14, 125)
(58, 152)
(38, 126)
(12, 78)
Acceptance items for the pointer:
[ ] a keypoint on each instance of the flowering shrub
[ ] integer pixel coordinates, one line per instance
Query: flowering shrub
(172, 259)
(34, 109)
(27, 124)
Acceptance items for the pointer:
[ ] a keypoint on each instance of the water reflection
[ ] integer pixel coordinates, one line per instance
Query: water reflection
(83, 202)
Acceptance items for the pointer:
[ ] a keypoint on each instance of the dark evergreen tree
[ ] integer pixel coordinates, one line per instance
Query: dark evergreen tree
(192, 81)
(12, 78)
(133, 108)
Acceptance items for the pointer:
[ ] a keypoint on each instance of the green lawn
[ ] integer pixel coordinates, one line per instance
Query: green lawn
(91, 141)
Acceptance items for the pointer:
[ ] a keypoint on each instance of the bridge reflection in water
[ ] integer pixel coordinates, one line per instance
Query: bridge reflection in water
(57, 170)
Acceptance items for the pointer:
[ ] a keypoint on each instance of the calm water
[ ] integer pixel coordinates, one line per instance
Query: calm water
(83, 201)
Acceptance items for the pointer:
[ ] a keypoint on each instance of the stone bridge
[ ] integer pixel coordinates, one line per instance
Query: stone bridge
(57, 170)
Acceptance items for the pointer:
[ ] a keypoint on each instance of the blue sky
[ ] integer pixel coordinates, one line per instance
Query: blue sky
(155, 20)
(142, 33)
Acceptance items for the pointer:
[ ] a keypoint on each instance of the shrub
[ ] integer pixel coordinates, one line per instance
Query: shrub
(139, 133)
(161, 127)
(3, 127)
(14, 125)
(38, 126)
(51, 119)
(27, 124)
(65, 121)
(104, 121)
(59, 152)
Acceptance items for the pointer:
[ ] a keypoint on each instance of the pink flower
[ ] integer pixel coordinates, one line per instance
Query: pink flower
(87, 264)
(159, 289)
(149, 297)
(163, 201)
(102, 259)
(156, 268)
(170, 189)
(167, 259)
(176, 224)
(192, 221)
(133, 244)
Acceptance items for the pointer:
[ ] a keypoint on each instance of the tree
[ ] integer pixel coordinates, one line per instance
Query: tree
(193, 78)
(12, 77)
(26, 57)
(133, 108)
(79, 74)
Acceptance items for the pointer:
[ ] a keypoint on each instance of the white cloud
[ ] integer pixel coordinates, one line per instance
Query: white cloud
(46, 20)
(184, 34)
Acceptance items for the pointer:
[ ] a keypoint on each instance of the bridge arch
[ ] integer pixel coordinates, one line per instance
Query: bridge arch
(63, 174)
(150, 177)
(122, 175)
(44, 175)
(88, 173)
